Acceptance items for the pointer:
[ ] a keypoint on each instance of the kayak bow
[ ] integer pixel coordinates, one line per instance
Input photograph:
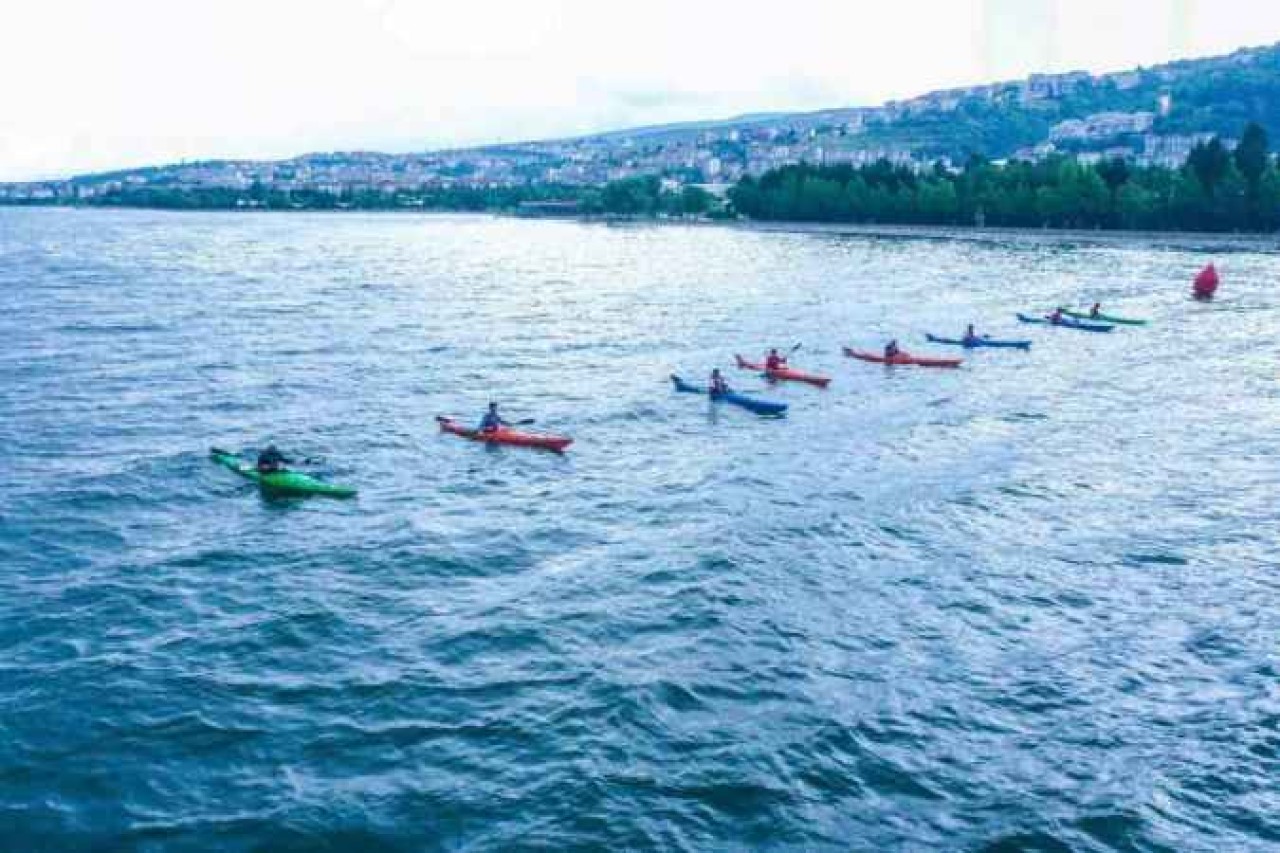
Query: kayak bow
(506, 435)
(280, 482)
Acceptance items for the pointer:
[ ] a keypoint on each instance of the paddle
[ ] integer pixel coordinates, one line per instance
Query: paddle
(525, 422)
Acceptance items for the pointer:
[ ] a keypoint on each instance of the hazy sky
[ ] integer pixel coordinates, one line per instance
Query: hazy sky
(95, 84)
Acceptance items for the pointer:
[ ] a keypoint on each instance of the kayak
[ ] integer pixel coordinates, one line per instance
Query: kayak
(979, 342)
(903, 358)
(281, 482)
(751, 404)
(1067, 324)
(785, 374)
(1105, 318)
(507, 436)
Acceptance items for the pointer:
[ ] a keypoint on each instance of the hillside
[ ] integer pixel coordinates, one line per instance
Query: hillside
(1147, 116)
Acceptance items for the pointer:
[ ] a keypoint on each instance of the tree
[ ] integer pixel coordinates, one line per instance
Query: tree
(747, 198)
(694, 201)
(1269, 200)
(1135, 207)
(1209, 162)
(1230, 209)
(1251, 155)
(1115, 173)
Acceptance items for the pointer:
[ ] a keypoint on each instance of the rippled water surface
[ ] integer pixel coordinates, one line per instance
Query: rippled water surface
(1031, 604)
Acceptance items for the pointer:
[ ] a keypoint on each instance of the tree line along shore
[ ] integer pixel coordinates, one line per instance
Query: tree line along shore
(1219, 189)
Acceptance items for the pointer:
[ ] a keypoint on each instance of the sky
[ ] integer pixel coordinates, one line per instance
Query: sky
(99, 84)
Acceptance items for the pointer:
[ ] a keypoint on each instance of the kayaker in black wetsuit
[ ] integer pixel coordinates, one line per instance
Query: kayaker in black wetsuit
(718, 387)
(970, 335)
(492, 421)
(1096, 311)
(271, 460)
(891, 350)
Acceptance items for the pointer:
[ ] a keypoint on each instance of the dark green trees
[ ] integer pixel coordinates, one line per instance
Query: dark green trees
(1217, 190)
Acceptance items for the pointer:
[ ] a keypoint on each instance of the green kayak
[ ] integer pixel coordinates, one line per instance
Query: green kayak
(1104, 318)
(281, 482)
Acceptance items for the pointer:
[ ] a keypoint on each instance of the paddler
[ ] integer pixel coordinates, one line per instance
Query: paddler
(774, 361)
(970, 335)
(718, 386)
(1056, 317)
(271, 460)
(1096, 311)
(492, 421)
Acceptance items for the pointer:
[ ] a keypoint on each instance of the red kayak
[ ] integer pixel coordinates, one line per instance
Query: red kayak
(904, 359)
(506, 435)
(786, 374)
(1206, 283)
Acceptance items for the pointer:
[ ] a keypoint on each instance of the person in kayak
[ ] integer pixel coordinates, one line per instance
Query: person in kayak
(492, 421)
(774, 360)
(970, 335)
(892, 350)
(718, 386)
(271, 460)
(1096, 311)
(1056, 317)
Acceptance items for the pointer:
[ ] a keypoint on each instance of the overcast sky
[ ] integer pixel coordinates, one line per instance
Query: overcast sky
(96, 84)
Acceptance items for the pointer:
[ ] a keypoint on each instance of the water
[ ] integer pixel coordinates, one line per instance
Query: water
(1028, 605)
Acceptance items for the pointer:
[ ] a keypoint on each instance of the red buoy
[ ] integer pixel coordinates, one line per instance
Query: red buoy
(1206, 283)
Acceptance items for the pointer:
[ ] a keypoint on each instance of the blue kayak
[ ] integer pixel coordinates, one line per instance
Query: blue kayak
(760, 407)
(1067, 323)
(974, 343)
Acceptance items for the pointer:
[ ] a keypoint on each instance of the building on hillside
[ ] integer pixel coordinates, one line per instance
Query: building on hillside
(1101, 126)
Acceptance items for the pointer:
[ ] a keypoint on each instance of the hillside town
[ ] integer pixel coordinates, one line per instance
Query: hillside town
(717, 155)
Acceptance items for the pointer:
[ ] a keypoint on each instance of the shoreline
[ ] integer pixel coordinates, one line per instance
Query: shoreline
(1155, 239)
(1195, 240)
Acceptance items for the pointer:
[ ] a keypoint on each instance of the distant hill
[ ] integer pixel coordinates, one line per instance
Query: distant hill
(1216, 95)
(1148, 116)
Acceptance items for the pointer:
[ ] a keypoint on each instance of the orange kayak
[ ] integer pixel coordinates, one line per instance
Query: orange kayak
(786, 374)
(904, 359)
(506, 435)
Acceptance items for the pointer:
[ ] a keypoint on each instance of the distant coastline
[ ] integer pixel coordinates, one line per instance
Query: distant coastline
(1223, 188)
(1205, 241)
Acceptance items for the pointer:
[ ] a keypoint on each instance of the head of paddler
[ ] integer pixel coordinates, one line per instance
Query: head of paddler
(270, 459)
